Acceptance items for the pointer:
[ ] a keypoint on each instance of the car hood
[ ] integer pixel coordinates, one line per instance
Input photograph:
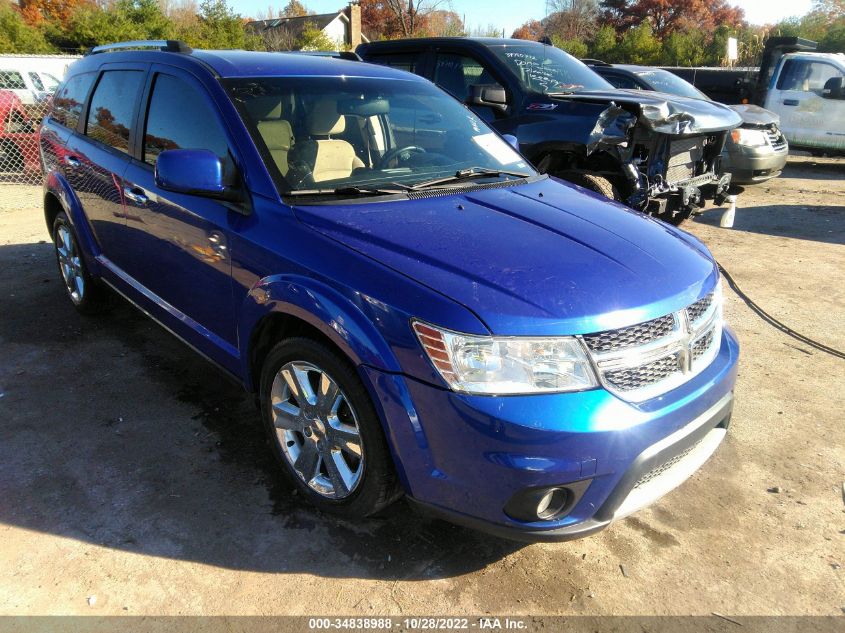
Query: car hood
(755, 116)
(665, 113)
(540, 258)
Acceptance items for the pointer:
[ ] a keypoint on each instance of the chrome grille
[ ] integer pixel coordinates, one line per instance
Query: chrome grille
(644, 375)
(702, 344)
(699, 308)
(657, 471)
(776, 138)
(647, 359)
(631, 336)
(684, 155)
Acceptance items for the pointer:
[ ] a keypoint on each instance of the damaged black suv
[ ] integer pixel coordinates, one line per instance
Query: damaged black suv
(655, 152)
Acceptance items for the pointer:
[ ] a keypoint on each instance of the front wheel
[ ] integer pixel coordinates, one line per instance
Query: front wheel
(598, 184)
(324, 430)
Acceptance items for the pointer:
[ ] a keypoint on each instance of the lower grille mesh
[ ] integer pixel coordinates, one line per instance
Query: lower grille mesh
(665, 466)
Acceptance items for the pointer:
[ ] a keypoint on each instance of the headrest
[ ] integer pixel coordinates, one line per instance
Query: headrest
(276, 134)
(324, 120)
(266, 107)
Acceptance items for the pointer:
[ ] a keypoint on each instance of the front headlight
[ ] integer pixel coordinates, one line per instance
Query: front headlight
(749, 138)
(507, 365)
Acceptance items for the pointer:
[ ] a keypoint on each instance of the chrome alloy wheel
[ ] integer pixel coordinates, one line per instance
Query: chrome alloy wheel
(70, 264)
(317, 429)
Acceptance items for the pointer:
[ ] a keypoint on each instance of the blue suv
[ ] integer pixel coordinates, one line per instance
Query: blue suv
(417, 309)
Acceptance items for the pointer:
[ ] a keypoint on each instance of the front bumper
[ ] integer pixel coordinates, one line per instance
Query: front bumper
(464, 457)
(750, 165)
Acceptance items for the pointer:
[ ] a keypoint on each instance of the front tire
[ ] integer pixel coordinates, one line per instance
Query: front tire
(324, 430)
(86, 294)
(598, 184)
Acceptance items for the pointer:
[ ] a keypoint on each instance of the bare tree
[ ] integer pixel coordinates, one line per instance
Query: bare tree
(412, 14)
(571, 19)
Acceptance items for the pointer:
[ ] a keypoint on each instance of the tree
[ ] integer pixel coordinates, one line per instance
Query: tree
(574, 46)
(89, 25)
(684, 49)
(444, 24)
(221, 27)
(604, 46)
(640, 46)
(571, 19)
(313, 39)
(669, 16)
(16, 36)
(531, 30)
(411, 15)
(295, 9)
(36, 12)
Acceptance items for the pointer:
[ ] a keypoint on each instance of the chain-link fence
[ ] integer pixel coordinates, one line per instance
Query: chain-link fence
(27, 83)
(20, 166)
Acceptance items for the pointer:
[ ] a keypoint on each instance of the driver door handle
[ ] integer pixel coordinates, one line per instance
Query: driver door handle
(136, 195)
(791, 102)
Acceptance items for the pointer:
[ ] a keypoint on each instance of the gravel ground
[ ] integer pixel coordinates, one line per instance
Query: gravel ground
(134, 478)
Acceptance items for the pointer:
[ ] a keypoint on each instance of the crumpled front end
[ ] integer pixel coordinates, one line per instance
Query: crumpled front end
(669, 152)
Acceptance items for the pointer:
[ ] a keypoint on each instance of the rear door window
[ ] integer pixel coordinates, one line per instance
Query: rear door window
(11, 80)
(401, 61)
(70, 99)
(456, 73)
(112, 106)
(170, 125)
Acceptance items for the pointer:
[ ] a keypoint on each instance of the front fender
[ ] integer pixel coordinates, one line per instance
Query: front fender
(348, 321)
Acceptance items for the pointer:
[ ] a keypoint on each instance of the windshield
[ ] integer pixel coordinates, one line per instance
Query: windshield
(546, 69)
(325, 133)
(664, 81)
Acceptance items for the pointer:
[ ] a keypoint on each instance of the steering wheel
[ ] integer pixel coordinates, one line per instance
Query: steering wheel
(396, 152)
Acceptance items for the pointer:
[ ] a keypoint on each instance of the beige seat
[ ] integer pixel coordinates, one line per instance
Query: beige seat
(276, 132)
(327, 158)
(278, 137)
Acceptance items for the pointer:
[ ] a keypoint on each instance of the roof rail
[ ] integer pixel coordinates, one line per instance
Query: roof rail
(594, 62)
(349, 55)
(170, 46)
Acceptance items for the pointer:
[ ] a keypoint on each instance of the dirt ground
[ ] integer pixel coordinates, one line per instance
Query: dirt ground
(134, 478)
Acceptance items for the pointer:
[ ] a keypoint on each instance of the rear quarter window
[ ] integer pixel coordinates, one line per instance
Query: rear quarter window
(70, 99)
(112, 106)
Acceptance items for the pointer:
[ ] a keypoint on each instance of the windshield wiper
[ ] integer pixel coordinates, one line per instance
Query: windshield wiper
(352, 190)
(469, 174)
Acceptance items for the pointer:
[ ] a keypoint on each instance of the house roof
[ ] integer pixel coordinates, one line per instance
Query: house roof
(320, 20)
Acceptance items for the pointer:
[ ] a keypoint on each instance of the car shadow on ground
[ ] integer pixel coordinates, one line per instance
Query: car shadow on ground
(114, 433)
(803, 222)
(813, 168)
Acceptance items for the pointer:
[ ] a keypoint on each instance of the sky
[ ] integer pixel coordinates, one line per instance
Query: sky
(509, 14)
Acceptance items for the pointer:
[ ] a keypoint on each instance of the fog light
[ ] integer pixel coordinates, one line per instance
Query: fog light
(552, 503)
(544, 504)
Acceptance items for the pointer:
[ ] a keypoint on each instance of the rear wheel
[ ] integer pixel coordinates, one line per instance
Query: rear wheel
(324, 430)
(86, 294)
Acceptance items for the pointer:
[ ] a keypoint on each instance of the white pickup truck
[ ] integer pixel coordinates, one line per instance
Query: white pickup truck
(807, 90)
(804, 88)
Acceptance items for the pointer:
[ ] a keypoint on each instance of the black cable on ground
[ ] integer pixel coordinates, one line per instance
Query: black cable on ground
(768, 318)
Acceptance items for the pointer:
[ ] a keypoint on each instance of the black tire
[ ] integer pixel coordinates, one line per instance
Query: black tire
(94, 298)
(378, 486)
(597, 183)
